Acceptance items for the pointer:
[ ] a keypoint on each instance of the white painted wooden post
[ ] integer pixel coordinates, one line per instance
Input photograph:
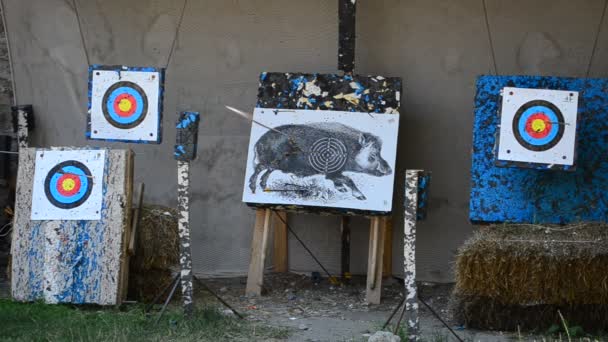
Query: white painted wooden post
(186, 141)
(409, 253)
(185, 256)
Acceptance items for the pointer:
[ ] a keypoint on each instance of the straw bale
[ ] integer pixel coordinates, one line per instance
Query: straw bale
(535, 265)
(486, 313)
(156, 253)
(157, 240)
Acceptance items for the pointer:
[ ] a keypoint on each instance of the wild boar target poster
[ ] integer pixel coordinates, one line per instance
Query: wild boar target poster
(319, 158)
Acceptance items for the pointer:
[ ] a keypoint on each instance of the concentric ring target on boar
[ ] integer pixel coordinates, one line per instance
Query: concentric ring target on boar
(125, 104)
(324, 143)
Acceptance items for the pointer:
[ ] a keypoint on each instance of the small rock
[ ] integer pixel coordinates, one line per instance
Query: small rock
(384, 336)
(227, 313)
(303, 327)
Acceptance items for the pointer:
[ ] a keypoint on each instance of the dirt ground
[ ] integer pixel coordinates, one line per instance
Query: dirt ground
(324, 312)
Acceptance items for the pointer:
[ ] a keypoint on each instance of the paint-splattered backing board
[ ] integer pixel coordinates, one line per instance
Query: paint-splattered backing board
(508, 194)
(68, 185)
(125, 104)
(73, 261)
(322, 159)
(378, 95)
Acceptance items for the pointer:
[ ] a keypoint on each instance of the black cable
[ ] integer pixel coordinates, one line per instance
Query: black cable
(304, 245)
(439, 318)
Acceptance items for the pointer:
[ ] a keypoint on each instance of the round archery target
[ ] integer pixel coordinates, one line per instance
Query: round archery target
(125, 105)
(68, 184)
(327, 155)
(538, 125)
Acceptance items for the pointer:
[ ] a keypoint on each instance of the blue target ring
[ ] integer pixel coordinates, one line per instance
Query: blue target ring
(552, 116)
(68, 184)
(136, 100)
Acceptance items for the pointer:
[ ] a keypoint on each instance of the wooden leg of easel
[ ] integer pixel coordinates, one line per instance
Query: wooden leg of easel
(279, 254)
(374, 263)
(255, 278)
(387, 263)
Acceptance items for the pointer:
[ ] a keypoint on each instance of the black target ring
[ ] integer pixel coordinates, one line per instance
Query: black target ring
(327, 155)
(72, 168)
(553, 111)
(138, 97)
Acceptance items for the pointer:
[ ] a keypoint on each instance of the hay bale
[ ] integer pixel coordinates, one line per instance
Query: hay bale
(486, 313)
(156, 257)
(157, 239)
(510, 275)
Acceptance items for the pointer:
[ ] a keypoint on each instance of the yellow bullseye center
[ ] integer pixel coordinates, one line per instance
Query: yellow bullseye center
(124, 105)
(68, 184)
(538, 125)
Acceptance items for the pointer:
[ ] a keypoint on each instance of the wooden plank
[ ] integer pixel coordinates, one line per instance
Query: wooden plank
(255, 278)
(409, 253)
(374, 265)
(136, 218)
(387, 263)
(280, 248)
(89, 267)
(123, 285)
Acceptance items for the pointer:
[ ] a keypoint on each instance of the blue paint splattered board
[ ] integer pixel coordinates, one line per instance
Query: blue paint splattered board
(73, 261)
(521, 195)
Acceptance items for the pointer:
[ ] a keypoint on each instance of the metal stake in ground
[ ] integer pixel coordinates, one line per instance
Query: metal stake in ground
(185, 151)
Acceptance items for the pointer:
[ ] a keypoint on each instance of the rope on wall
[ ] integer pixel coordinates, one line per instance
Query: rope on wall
(86, 50)
(490, 41)
(597, 36)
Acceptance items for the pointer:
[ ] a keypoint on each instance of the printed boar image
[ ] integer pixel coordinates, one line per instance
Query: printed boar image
(327, 148)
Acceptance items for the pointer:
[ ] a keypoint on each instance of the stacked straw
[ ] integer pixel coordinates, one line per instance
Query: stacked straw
(156, 256)
(520, 276)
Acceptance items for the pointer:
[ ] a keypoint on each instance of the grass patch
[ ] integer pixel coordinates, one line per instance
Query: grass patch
(41, 322)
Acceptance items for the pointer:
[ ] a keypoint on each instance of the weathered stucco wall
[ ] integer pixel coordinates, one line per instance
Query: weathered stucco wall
(437, 47)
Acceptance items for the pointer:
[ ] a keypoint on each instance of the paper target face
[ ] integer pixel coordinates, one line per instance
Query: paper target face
(538, 126)
(125, 104)
(68, 185)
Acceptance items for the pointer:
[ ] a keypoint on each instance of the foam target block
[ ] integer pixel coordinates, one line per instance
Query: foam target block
(537, 128)
(356, 93)
(68, 185)
(187, 136)
(125, 104)
(67, 259)
(533, 195)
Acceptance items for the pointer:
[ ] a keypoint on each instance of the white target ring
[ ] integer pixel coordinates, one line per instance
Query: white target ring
(327, 155)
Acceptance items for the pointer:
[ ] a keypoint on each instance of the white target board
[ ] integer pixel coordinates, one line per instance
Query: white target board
(68, 185)
(538, 126)
(322, 159)
(125, 104)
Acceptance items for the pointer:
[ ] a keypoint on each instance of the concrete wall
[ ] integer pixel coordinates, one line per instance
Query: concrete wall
(437, 47)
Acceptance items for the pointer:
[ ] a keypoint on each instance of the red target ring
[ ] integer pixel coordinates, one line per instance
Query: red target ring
(125, 105)
(538, 125)
(68, 184)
